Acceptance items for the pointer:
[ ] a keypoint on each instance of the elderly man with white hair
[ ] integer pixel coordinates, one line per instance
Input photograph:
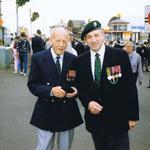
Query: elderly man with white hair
(56, 110)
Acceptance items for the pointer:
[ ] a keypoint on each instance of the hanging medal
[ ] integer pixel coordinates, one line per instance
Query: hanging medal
(113, 74)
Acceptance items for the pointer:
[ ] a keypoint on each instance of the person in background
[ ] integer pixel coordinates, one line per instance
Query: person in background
(56, 110)
(37, 43)
(119, 44)
(15, 55)
(23, 48)
(79, 46)
(136, 63)
(146, 49)
(69, 47)
(142, 50)
(47, 43)
(106, 90)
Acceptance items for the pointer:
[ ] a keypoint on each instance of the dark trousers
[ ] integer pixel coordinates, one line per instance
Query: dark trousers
(145, 63)
(104, 141)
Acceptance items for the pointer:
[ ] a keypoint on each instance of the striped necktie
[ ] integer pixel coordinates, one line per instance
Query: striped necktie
(58, 64)
(97, 70)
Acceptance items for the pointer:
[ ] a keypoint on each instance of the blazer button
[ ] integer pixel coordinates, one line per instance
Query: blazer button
(47, 83)
(52, 101)
(64, 101)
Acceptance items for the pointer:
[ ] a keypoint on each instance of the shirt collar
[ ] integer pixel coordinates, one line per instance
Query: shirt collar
(55, 55)
(101, 51)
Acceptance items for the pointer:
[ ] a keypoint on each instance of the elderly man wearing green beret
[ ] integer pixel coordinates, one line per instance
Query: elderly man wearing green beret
(106, 90)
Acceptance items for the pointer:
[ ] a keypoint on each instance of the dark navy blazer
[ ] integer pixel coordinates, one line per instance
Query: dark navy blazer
(51, 113)
(119, 100)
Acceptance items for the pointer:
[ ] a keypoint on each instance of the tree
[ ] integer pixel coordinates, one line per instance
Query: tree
(34, 16)
(21, 2)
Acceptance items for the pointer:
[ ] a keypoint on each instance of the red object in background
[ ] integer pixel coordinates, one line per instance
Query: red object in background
(149, 18)
(1, 22)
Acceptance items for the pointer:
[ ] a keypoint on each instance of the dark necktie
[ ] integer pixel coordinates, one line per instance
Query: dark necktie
(58, 64)
(97, 71)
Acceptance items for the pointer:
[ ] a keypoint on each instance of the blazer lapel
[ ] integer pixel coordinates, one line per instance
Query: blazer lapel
(88, 65)
(108, 60)
(65, 64)
(52, 66)
(65, 67)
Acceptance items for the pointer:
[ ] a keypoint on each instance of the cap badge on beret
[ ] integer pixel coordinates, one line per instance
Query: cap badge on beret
(94, 24)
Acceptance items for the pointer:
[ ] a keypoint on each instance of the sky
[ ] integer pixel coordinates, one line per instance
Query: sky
(52, 11)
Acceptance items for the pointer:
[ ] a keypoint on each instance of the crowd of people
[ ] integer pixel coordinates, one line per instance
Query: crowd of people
(142, 48)
(94, 70)
(75, 46)
(24, 47)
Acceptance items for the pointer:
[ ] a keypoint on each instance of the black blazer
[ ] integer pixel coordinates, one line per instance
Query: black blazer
(51, 113)
(37, 44)
(119, 100)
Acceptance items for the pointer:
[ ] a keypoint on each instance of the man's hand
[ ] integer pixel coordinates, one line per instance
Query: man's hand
(132, 124)
(70, 95)
(57, 91)
(94, 107)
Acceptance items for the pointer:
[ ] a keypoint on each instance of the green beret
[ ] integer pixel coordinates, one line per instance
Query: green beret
(91, 26)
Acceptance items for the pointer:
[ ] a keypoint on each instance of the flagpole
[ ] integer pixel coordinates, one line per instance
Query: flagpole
(30, 22)
(17, 22)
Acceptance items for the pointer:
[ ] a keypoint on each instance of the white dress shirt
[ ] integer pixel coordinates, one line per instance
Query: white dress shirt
(101, 52)
(54, 55)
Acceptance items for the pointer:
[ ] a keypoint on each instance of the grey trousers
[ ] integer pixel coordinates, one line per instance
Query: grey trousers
(46, 140)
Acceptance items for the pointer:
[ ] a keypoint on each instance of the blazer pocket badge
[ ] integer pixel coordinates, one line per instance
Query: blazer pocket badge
(71, 75)
(113, 74)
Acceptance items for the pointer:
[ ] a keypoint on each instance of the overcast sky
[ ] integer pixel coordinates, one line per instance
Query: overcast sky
(52, 11)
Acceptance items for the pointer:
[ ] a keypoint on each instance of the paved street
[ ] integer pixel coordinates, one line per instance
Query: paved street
(16, 105)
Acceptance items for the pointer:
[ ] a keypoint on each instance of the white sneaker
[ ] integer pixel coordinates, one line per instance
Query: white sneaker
(21, 73)
(25, 74)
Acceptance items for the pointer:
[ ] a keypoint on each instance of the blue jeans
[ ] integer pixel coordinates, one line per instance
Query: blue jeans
(23, 62)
